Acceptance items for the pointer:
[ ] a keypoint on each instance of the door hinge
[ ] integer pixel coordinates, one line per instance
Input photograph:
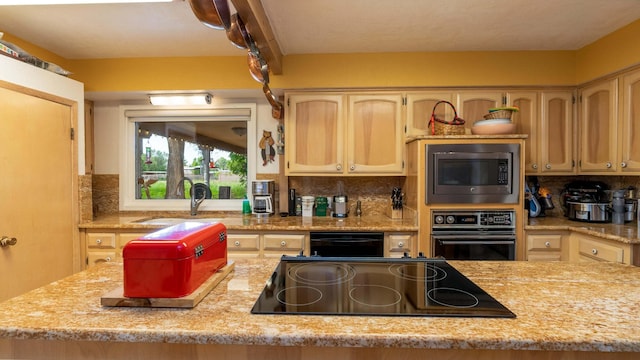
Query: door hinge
(288, 102)
(404, 101)
(403, 164)
(73, 133)
(504, 100)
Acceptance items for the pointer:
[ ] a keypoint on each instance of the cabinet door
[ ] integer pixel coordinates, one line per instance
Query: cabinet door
(315, 124)
(526, 123)
(276, 245)
(556, 133)
(419, 109)
(375, 141)
(473, 105)
(598, 121)
(630, 124)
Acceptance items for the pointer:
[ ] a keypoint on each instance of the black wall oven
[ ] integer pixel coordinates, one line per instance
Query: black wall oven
(474, 235)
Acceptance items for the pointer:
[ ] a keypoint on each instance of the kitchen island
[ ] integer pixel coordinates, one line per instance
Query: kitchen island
(564, 310)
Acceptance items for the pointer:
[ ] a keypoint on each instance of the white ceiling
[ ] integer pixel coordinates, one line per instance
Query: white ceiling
(322, 26)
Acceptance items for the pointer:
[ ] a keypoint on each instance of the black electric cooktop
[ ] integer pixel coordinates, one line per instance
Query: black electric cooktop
(374, 287)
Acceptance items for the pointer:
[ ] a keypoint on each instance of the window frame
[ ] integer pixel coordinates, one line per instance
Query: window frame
(130, 114)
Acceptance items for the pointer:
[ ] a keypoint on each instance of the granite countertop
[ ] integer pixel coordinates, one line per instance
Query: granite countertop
(559, 306)
(235, 221)
(628, 233)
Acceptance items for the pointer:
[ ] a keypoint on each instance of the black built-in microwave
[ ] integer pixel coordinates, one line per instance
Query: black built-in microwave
(472, 173)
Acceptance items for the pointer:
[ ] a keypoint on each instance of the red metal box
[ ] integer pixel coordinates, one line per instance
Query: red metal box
(175, 261)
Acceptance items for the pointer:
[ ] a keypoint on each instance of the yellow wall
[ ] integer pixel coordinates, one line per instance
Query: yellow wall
(613, 52)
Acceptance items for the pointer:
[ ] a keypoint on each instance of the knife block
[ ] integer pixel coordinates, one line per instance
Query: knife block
(393, 213)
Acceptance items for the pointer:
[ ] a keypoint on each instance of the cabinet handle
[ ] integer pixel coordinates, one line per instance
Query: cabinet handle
(98, 241)
(236, 243)
(352, 167)
(400, 244)
(548, 166)
(594, 251)
(107, 259)
(339, 167)
(534, 166)
(609, 165)
(547, 244)
(283, 243)
(7, 241)
(623, 164)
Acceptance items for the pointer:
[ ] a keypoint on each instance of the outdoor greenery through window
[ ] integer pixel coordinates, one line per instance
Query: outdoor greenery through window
(212, 154)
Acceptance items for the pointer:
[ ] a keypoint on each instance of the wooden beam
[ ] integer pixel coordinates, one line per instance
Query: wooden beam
(256, 21)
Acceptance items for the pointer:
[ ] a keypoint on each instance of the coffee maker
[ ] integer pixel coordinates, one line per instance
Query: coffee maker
(263, 194)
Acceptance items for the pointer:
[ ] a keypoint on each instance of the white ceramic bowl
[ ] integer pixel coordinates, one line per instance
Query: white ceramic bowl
(491, 122)
(494, 129)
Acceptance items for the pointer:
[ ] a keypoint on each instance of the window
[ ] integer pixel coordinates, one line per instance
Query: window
(163, 145)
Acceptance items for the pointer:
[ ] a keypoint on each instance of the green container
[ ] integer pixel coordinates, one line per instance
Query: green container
(321, 206)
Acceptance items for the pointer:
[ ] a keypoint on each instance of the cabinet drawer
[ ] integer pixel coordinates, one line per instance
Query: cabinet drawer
(101, 240)
(97, 257)
(544, 242)
(600, 251)
(399, 243)
(243, 242)
(545, 256)
(283, 242)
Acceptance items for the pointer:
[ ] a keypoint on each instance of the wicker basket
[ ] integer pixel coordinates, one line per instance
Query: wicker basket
(443, 127)
(499, 114)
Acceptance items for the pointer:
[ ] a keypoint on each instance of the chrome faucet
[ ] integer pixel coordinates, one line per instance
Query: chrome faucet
(195, 203)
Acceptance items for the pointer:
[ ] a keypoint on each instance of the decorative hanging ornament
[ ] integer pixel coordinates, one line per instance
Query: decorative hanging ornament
(148, 153)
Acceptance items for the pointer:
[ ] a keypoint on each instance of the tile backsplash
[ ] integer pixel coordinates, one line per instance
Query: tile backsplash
(99, 193)
(373, 192)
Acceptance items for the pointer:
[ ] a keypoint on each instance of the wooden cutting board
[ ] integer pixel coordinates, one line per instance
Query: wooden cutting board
(115, 297)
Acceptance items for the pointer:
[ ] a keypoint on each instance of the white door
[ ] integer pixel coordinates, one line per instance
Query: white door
(36, 200)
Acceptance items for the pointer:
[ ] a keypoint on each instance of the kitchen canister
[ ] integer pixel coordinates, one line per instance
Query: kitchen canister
(307, 206)
(321, 206)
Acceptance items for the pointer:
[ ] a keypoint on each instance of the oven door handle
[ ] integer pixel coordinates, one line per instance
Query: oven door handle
(474, 237)
(480, 242)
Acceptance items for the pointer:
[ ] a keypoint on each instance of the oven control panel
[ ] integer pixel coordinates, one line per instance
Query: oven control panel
(472, 219)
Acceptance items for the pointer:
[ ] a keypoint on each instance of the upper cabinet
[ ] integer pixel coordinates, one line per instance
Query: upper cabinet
(334, 134)
(555, 133)
(630, 124)
(598, 127)
(420, 105)
(472, 105)
(547, 118)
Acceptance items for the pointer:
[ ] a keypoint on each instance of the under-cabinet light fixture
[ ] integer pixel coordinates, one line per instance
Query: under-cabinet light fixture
(73, 2)
(181, 99)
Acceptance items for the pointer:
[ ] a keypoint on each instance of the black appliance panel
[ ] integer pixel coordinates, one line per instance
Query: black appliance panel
(346, 244)
(374, 287)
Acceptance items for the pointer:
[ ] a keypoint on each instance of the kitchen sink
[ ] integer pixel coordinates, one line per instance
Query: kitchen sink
(175, 220)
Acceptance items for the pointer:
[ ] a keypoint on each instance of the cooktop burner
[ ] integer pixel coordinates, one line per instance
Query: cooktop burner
(375, 287)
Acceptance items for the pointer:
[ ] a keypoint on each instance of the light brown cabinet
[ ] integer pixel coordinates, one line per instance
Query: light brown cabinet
(547, 246)
(547, 118)
(472, 105)
(337, 134)
(397, 244)
(419, 108)
(265, 245)
(630, 124)
(599, 127)
(106, 245)
(591, 248)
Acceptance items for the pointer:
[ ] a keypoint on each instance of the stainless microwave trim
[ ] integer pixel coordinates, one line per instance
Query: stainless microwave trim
(503, 194)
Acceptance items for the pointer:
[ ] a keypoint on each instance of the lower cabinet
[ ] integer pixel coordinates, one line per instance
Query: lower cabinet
(591, 248)
(547, 246)
(104, 245)
(397, 244)
(265, 244)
